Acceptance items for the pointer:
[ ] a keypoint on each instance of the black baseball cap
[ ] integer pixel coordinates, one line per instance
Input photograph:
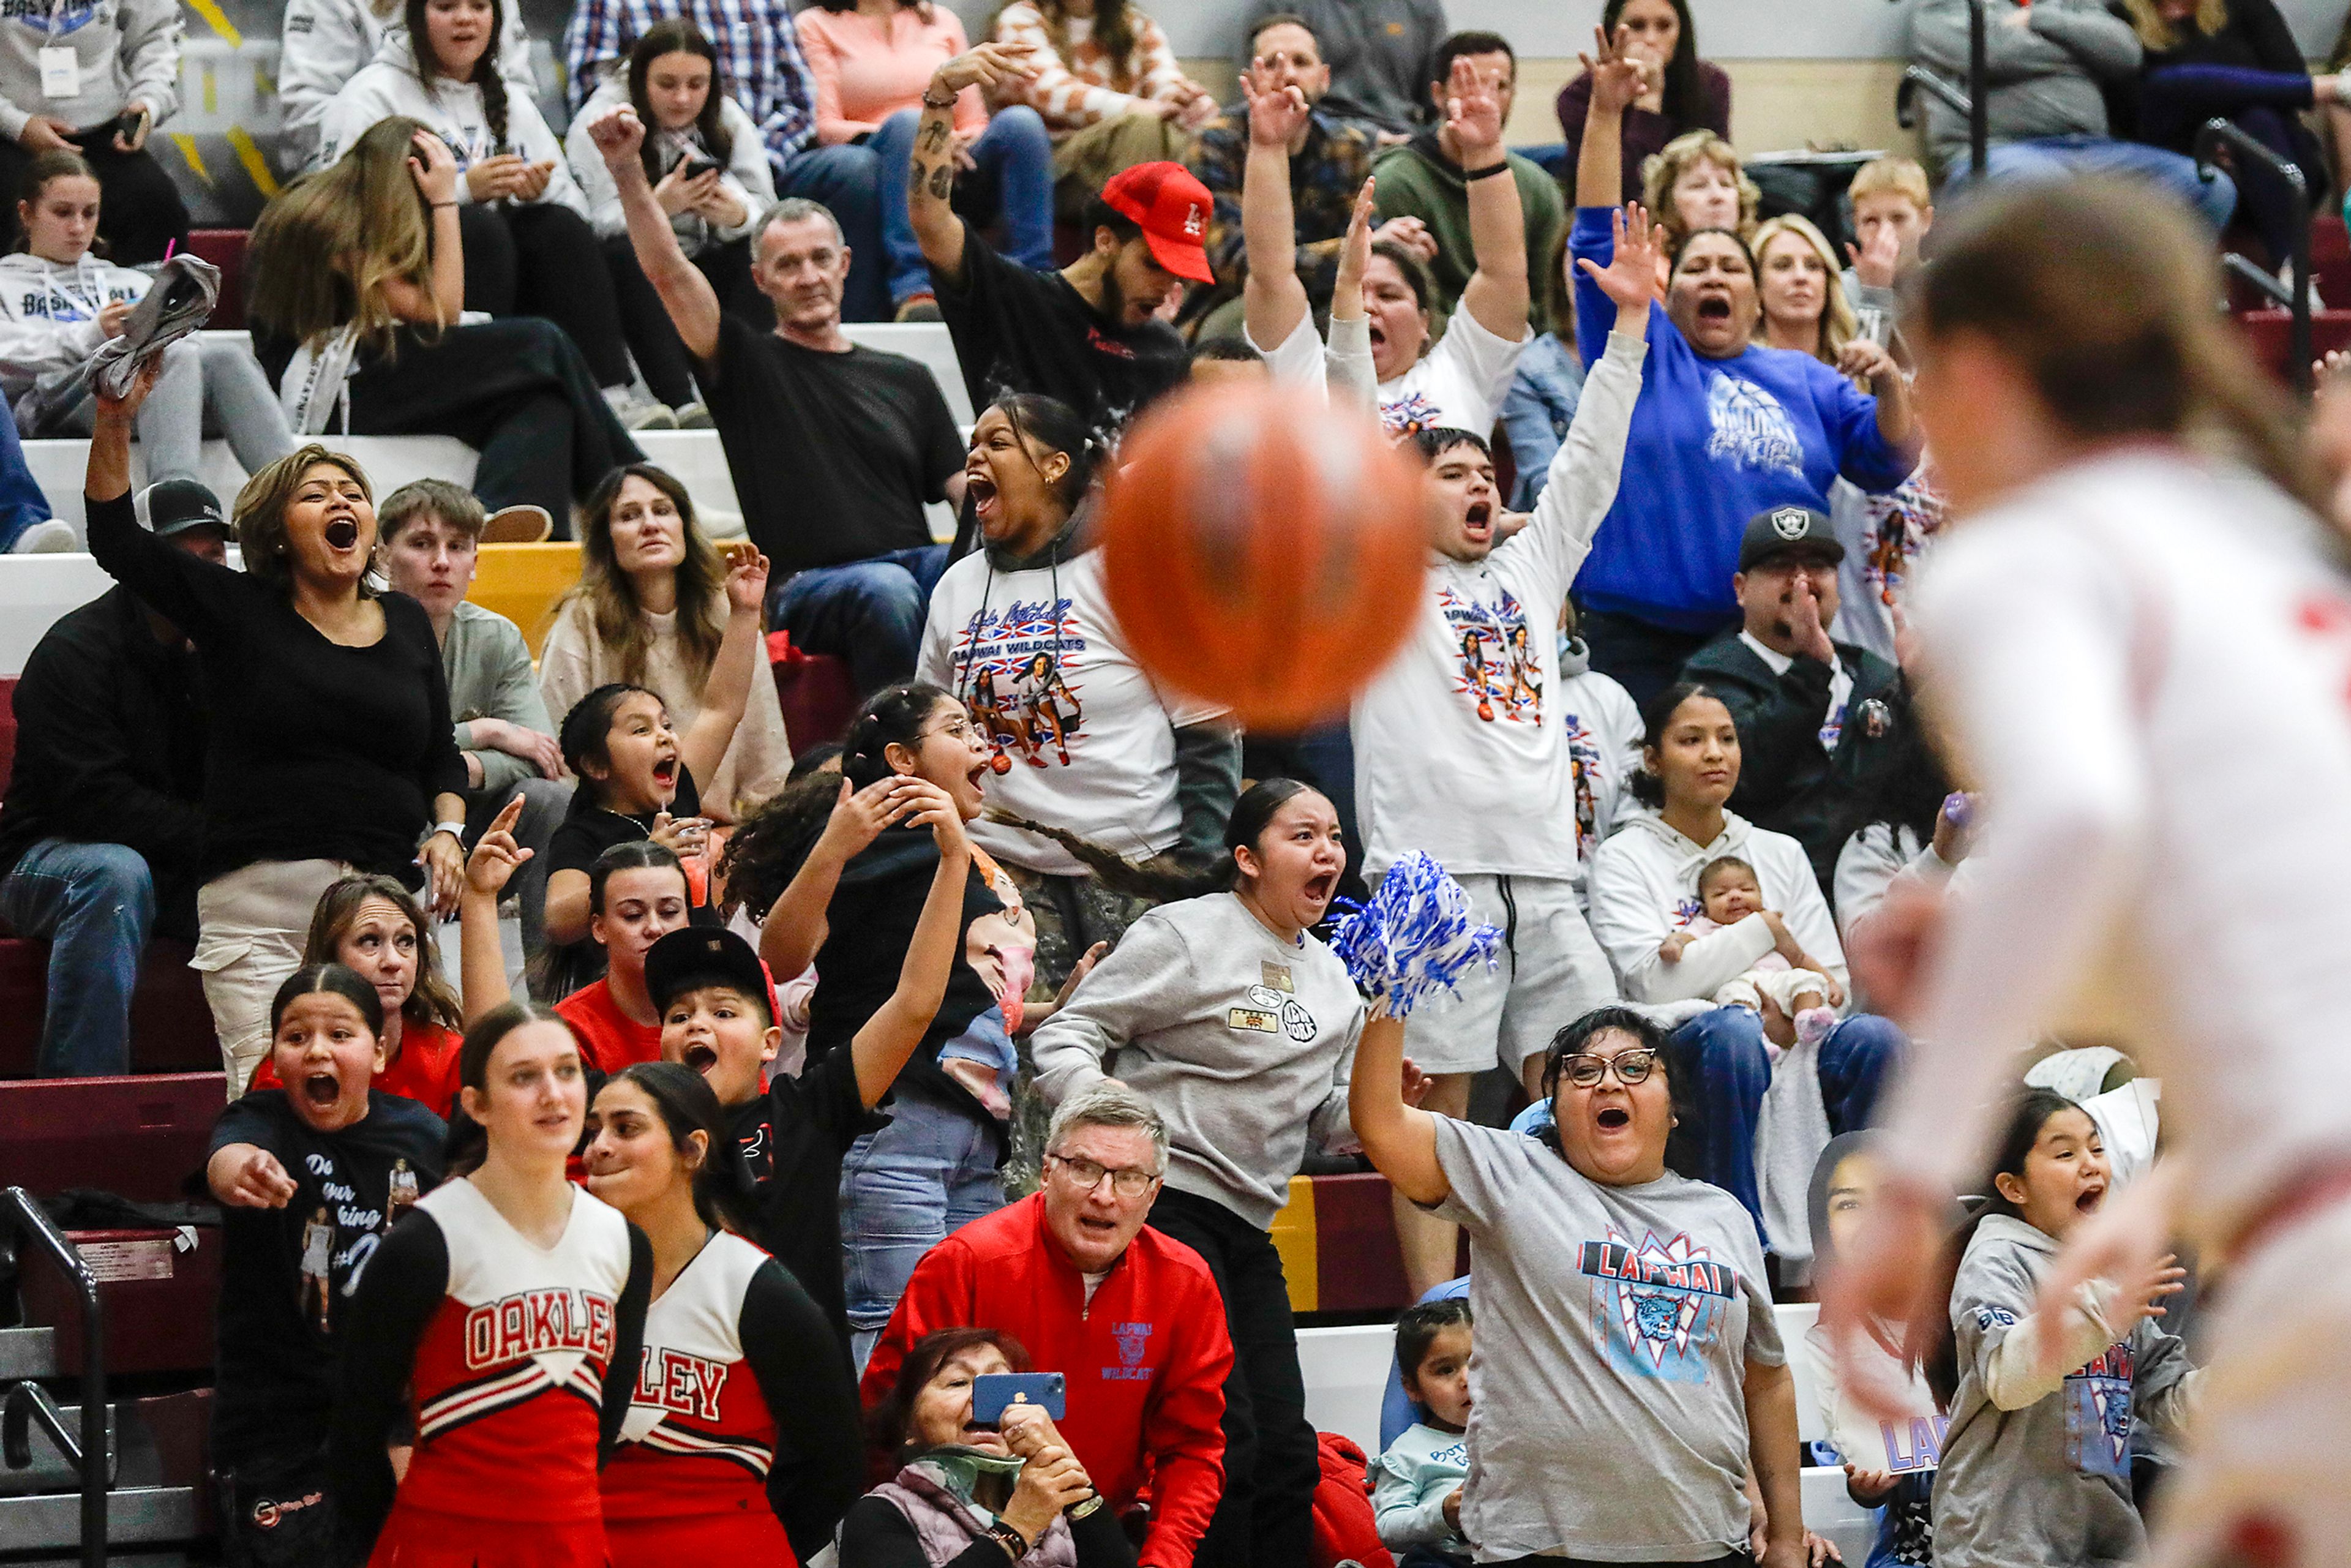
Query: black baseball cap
(1788, 530)
(697, 955)
(175, 505)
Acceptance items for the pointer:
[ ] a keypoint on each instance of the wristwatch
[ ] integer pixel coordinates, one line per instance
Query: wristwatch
(455, 830)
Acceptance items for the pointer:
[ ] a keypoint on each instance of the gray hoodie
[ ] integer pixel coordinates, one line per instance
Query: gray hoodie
(1243, 1042)
(125, 50)
(2045, 65)
(2036, 1466)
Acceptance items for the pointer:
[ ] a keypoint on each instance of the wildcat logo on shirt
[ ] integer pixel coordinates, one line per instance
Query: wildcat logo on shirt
(2098, 1415)
(680, 1384)
(1751, 428)
(1660, 1305)
(534, 1322)
(1017, 668)
(1133, 1342)
(1500, 673)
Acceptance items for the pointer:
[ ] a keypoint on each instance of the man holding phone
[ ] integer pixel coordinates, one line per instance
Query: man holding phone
(96, 79)
(1127, 1319)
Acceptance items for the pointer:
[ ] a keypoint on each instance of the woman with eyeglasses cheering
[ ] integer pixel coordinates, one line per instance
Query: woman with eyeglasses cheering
(1645, 903)
(1222, 1009)
(1629, 1375)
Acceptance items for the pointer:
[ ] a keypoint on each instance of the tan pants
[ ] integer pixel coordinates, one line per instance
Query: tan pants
(1084, 161)
(250, 927)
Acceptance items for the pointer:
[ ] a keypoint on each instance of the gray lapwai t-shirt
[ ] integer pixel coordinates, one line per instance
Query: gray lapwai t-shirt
(1616, 1324)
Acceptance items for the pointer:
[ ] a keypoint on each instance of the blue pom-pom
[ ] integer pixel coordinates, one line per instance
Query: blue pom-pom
(1415, 939)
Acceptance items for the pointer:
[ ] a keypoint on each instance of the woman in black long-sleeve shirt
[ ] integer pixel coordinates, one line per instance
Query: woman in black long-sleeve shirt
(329, 748)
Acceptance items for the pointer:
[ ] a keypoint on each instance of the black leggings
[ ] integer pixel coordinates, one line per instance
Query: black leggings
(140, 214)
(1272, 1460)
(660, 353)
(517, 392)
(539, 260)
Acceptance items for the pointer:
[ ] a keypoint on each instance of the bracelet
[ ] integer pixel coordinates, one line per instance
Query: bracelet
(930, 102)
(1489, 171)
(1008, 1538)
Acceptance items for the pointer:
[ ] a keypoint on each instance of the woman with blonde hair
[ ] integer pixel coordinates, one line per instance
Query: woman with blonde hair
(1107, 86)
(329, 749)
(650, 609)
(358, 282)
(1801, 290)
(1697, 183)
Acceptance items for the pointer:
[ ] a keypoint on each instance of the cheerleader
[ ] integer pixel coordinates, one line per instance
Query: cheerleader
(742, 1443)
(510, 1307)
(2142, 646)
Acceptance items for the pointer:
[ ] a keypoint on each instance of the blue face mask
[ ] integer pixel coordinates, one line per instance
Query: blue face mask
(1574, 658)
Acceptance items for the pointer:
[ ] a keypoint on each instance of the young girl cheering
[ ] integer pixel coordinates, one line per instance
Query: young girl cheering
(310, 1178)
(741, 1443)
(58, 303)
(510, 1306)
(2036, 1464)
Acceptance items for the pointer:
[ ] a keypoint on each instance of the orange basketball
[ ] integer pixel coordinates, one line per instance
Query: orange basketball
(1263, 550)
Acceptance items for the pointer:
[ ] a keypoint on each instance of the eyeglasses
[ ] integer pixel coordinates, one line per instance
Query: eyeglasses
(1585, 1071)
(1126, 1181)
(957, 729)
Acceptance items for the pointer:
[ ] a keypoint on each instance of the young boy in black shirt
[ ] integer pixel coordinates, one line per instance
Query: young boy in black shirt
(312, 1175)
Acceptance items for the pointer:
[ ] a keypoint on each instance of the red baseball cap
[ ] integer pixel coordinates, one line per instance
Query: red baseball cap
(1173, 208)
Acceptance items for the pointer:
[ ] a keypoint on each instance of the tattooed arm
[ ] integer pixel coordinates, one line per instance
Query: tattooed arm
(930, 169)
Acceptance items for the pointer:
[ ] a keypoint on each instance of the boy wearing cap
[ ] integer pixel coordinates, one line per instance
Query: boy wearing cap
(1824, 728)
(102, 823)
(1090, 334)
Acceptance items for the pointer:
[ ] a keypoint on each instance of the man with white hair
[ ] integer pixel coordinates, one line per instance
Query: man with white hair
(1129, 1316)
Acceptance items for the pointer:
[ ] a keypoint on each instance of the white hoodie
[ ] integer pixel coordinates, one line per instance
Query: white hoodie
(1644, 888)
(746, 176)
(451, 110)
(124, 49)
(324, 43)
(48, 314)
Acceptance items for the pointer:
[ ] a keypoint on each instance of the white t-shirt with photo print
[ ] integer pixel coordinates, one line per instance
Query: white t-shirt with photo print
(1457, 385)
(1086, 741)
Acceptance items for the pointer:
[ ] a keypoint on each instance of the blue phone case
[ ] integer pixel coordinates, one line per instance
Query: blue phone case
(993, 1390)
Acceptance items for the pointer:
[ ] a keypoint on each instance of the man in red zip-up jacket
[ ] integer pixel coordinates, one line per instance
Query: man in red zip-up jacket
(1129, 1316)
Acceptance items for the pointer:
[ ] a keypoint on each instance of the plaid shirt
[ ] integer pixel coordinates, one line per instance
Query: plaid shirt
(758, 55)
(1323, 179)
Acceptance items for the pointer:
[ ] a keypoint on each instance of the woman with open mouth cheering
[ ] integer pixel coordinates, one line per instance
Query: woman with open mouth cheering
(331, 747)
(1229, 1016)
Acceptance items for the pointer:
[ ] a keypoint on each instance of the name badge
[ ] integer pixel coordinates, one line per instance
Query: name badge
(60, 72)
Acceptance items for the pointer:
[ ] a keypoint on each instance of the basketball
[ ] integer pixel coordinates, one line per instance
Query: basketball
(1263, 550)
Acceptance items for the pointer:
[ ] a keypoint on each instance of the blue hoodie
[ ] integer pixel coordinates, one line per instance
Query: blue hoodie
(1714, 441)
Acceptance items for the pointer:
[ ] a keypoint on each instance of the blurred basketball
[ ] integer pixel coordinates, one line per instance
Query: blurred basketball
(1263, 550)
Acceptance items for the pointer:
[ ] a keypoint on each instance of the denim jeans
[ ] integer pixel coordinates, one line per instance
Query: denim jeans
(868, 612)
(22, 504)
(848, 181)
(95, 904)
(1014, 151)
(2062, 157)
(1724, 1070)
(930, 1171)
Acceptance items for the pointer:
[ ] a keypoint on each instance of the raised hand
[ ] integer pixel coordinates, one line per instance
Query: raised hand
(433, 168)
(989, 66)
(1276, 114)
(1630, 279)
(860, 815)
(496, 857)
(747, 579)
(1618, 80)
(1880, 1280)
(1876, 262)
(2124, 1243)
(1473, 110)
(619, 136)
(1356, 254)
(1411, 233)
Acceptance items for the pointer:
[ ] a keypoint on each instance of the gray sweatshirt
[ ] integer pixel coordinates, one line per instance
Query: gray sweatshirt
(1242, 1042)
(2036, 1466)
(125, 50)
(2044, 65)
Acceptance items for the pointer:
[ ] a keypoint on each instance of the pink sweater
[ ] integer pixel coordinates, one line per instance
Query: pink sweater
(863, 75)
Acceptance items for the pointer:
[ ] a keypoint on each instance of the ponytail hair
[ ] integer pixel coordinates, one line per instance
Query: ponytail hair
(1057, 427)
(2115, 328)
(1934, 1349)
(1649, 787)
(1162, 880)
(687, 1104)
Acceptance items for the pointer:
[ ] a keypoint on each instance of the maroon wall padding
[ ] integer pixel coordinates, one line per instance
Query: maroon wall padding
(818, 699)
(140, 1138)
(2269, 332)
(224, 248)
(1355, 1249)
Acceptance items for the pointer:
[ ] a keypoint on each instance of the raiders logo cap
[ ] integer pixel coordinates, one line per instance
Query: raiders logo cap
(1788, 530)
(697, 955)
(1173, 208)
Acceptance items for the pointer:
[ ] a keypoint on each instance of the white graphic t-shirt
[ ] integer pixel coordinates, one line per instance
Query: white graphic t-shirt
(1457, 385)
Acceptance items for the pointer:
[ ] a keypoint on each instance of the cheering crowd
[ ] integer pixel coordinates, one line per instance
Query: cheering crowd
(842, 1081)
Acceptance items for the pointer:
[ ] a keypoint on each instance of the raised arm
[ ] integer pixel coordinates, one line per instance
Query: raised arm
(685, 293)
(1617, 82)
(1496, 292)
(930, 168)
(881, 1046)
(1353, 379)
(434, 170)
(1273, 302)
(795, 926)
(1401, 1139)
(728, 689)
(482, 960)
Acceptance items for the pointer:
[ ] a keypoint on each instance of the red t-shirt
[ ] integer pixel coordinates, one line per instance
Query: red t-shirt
(425, 1071)
(614, 1040)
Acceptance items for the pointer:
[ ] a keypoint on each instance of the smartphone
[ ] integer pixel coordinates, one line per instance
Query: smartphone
(696, 165)
(993, 1392)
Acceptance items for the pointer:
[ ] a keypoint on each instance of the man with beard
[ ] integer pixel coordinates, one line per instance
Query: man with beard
(1820, 722)
(835, 449)
(1091, 334)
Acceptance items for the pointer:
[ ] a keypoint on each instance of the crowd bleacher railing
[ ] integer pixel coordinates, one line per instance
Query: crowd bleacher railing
(25, 1402)
(2293, 295)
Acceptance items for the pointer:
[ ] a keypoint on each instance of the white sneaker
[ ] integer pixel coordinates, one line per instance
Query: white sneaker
(51, 538)
(696, 416)
(517, 525)
(636, 410)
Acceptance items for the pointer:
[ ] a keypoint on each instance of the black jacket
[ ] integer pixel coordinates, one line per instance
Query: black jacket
(1787, 782)
(110, 749)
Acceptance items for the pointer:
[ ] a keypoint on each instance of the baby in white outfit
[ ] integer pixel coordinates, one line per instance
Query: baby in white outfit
(1728, 892)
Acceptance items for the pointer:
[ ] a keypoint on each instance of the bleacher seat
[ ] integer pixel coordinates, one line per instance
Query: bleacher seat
(140, 1138)
(2271, 331)
(1337, 1240)
(224, 248)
